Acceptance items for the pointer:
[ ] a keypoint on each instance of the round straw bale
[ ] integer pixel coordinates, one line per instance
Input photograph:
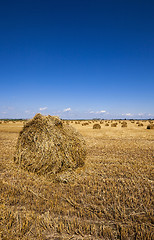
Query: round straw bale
(106, 124)
(150, 126)
(46, 146)
(140, 125)
(96, 126)
(85, 124)
(124, 125)
(113, 124)
(123, 122)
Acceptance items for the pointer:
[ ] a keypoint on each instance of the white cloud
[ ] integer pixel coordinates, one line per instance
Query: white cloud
(102, 111)
(127, 114)
(67, 110)
(98, 112)
(42, 108)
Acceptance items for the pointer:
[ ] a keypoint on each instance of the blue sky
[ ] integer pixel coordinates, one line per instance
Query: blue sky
(77, 59)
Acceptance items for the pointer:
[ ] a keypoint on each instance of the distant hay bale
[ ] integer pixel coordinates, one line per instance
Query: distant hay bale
(84, 124)
(123, 124)
(150, 126)
(96, 126)
(140, 125)
(46, 146)
(113, 124)
(106, 124)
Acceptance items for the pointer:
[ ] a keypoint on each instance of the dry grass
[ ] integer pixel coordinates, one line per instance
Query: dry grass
(109, 198)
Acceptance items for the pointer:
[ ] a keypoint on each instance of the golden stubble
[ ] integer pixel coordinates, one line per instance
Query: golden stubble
(109, 198)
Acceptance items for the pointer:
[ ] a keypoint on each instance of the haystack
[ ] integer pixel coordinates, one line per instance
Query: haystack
(96, 126)
(85, 124)
(140, 125)
(47, 146)
(113, 124)
(150, 126)
(123, 125)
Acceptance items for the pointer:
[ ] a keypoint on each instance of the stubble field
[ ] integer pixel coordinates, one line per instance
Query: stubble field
(109, 198)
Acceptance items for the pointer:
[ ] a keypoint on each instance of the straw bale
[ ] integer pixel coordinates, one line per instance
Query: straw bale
(113, 124)
(140, 125)
(47, 146)
(96, 126)
(124, 125)
(150, 126)
(106, 124)
(85, 124)
(123, 122)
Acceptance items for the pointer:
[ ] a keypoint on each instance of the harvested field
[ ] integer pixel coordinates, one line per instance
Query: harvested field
(110, 197)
